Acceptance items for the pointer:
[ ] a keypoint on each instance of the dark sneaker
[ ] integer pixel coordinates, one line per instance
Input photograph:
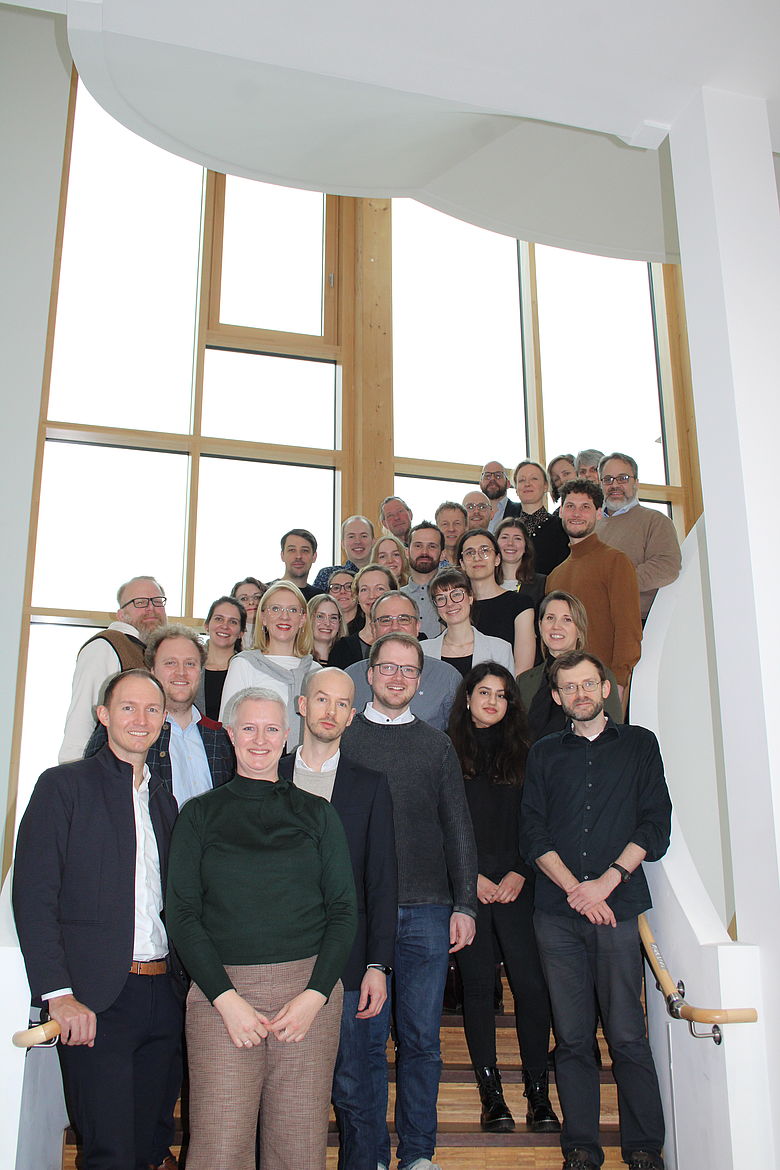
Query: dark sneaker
(642, 1160)
(578, 1160)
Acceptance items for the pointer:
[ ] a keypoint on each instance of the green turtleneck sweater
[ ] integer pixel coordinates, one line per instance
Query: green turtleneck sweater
(259, 872)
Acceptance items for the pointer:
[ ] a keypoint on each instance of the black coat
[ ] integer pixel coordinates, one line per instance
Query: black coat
(362, 799)
(74, 876)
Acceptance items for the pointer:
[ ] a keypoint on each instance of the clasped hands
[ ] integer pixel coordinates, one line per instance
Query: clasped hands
(247, 1027)
(589, 898)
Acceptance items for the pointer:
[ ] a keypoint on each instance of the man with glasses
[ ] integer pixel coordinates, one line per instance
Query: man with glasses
(479, 510)
(437, 876)
(494, 484)
(120, 647)
(647, 537)
(595, 806)
(357, 538)
(432, 698)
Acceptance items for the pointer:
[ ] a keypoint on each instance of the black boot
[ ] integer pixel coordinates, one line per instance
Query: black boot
(495, 1116)
(540, 1116)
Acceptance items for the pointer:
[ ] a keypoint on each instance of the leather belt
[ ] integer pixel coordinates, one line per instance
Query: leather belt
(155, 967)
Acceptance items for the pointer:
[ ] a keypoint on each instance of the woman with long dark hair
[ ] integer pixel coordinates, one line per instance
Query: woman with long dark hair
(488, 730)
(225, 626)
(518, 574)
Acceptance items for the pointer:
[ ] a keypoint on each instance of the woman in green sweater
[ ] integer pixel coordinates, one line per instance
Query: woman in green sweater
(261, 909)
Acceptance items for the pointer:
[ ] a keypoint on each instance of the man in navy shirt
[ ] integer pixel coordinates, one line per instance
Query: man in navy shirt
(595, 806)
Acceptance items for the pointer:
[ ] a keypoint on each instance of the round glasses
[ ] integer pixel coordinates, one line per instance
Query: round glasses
(441, 599)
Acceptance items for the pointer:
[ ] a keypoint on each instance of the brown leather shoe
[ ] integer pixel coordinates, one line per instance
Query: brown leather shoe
(168, 1163)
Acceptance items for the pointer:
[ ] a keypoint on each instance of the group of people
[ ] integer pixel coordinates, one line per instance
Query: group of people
(293, 819)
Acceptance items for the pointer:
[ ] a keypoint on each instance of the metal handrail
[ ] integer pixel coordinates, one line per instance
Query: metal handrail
(674, 994)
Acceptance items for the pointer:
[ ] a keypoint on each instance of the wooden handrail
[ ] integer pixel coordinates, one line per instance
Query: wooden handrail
(675, 1001)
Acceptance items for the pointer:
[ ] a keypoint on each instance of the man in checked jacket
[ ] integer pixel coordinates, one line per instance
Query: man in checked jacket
(192, 752)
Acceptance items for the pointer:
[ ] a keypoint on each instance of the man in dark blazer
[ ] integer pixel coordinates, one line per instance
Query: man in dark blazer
(192, 753)
(362, 799)
(90, 870)
(494, 483)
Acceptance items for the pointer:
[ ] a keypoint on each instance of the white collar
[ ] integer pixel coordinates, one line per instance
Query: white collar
(375, 716)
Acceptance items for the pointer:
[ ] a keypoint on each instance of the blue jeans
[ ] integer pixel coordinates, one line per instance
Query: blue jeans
(420, 970)
(352, 1096)
(579, 959)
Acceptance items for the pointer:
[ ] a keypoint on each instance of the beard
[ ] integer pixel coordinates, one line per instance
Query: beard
(584, 713)
(493, 491)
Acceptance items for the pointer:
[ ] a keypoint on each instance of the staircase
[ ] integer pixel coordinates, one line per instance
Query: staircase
(462, 1145)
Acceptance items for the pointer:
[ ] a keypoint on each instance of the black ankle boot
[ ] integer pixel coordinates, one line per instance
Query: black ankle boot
(540, 1116)
(495, 1116)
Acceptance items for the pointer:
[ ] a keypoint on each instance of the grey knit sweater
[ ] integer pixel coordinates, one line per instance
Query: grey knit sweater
(437, 856)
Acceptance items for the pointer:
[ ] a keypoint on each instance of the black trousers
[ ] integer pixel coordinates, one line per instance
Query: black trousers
(583, 963)
(116, 1090)
(505, 931)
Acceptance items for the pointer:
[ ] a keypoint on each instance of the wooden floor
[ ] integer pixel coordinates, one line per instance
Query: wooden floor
(462, 1145)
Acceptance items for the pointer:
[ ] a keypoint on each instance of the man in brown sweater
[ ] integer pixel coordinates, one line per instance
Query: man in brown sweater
(647, 537)
(604, 580)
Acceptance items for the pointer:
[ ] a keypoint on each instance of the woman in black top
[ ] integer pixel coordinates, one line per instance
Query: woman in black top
(551, 544)
(225, 626)
(498, 613)
(369, 584)
(487, 728)
(518, 560)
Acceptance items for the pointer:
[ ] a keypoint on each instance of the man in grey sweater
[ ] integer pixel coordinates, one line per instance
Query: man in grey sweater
(437, 890)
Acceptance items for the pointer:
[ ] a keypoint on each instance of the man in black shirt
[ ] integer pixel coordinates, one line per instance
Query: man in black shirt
(595, 806)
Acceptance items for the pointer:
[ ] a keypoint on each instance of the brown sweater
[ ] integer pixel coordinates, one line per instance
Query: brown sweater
(649, 540)
(605, 582)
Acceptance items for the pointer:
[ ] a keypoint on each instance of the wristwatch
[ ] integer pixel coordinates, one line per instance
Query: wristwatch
(379, 967)
(625, 875)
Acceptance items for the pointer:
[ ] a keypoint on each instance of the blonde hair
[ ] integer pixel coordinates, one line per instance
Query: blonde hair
(304, 640)
(403, 576)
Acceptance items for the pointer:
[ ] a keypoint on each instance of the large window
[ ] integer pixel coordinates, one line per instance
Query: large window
(232, 359)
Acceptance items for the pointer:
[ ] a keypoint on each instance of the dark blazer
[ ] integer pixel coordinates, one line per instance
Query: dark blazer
(219, 751)
(362, 799)
(74, 876)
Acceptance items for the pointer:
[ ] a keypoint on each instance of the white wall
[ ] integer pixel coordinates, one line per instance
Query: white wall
(34, 87)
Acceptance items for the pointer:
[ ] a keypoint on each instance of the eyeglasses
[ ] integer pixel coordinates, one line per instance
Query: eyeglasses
(441, 599)
(276, 610)
(610, 479)
(590, 685)
(145, 602)
(244, 598)
(404, 619)
(499, 475)
(391, 668)
(477, 507)
(346, 588)
(482, 553)
(322, 618)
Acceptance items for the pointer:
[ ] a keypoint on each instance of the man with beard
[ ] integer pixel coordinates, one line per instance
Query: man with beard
(361, 797)
(494, 484)
(479, 509)
(120, 647)
(598, 785)
(647, 537)
(604, 580)
(426, 544)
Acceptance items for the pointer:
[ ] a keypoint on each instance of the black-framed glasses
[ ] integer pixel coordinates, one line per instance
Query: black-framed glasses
(345, 588)
(610, 479)
(145, 602)
(499, 475)
(441, 599)
(391, 668)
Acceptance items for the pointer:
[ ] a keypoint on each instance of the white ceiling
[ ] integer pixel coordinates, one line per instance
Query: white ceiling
(541, 120)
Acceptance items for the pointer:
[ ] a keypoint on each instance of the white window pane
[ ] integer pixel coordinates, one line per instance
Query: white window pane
(457, 366)
(244, 509)
(269, 399)
(106, 515)
(599, 377)
(123, 344)
(50, 662)
(272, 257)
(424, 495)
